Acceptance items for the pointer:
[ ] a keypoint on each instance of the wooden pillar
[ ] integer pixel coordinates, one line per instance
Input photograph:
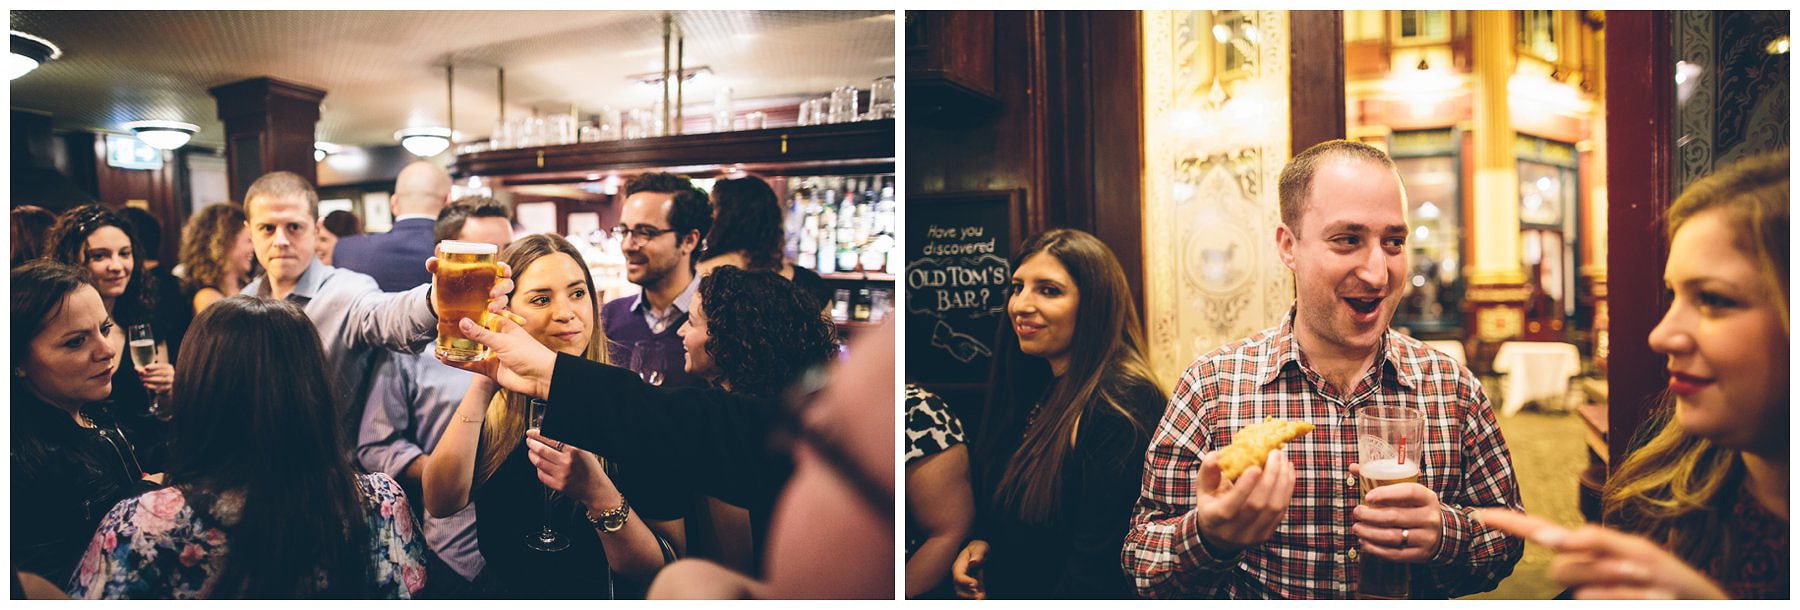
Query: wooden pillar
(1640, 86)
(1496, 294)
(1315, 78)
(269, 127)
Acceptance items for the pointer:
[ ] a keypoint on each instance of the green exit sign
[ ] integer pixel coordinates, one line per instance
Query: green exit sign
(128, 152)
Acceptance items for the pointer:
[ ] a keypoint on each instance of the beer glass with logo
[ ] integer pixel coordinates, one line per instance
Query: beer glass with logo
(1390, 441)
(466, 271)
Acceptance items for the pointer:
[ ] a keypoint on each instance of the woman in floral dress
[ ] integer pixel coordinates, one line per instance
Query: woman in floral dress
(262, 501)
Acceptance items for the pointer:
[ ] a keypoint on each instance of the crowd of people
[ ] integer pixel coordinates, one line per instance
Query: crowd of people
(1083, 478)
(293, 434)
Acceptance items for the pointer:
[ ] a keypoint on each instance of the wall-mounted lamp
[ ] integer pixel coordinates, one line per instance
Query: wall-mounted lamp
(29, 52)
(166, 135)
(325, 149)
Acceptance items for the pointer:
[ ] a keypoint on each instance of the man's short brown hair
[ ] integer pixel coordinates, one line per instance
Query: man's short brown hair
(1297, 176)
(283, 184)
(450, 221)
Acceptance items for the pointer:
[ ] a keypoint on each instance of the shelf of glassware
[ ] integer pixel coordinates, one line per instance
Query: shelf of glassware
(750, 150)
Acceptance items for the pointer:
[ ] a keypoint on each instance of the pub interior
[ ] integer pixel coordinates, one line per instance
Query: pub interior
(698, 209)
(1538, 151)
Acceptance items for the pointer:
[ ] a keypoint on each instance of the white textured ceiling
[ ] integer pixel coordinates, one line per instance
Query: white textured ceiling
(384, 70)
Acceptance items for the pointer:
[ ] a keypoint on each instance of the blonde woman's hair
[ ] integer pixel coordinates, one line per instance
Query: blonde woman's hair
(505, 423)
(206, 241)
(1678, 488)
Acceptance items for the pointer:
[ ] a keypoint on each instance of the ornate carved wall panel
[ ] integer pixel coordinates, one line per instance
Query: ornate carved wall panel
(1216, 136)
(1732, 95)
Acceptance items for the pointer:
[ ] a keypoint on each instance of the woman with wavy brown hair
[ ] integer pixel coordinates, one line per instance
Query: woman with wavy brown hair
(1702, 507)
(1056, 462)
(216, 251)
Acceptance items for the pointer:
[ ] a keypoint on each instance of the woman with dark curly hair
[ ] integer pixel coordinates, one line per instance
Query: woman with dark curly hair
(749, 335)
(747, 233)
(101, 241)
(703, 441)
(216, 250)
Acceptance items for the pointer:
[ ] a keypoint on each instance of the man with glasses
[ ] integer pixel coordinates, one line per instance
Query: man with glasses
(660, 228)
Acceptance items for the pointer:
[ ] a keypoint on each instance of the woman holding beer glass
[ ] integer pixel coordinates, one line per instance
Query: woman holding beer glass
(70, 463)
(216, 251)
(101, 241)
(1702, 508)
(1057, 461)
(263, 502)
(490, 455)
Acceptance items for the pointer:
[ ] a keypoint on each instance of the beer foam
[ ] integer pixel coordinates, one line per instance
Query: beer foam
(1389, 469)
(450, 246)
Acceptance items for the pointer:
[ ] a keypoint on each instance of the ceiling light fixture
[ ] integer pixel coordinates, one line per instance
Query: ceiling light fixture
(325, 149)
(29, 52)
(166, 135)
(424, 141)
(656, 78)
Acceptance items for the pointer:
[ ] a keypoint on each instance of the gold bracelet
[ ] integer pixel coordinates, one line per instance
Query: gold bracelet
(471, 421)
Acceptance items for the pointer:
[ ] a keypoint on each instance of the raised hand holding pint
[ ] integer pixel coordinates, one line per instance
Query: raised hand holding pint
(1388, 447)
(466, 272)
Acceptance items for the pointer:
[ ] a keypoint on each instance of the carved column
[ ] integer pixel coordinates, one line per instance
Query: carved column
(269, 126)
(1496, 294)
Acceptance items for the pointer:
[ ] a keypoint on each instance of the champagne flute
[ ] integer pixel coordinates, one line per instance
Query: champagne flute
(143, 354)
(646, 361)
(545, 539)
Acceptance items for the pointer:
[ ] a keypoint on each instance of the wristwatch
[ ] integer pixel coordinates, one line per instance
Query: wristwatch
(612, 519)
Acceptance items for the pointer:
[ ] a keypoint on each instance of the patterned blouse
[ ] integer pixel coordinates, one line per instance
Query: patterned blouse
(930, 426)
(157, 546)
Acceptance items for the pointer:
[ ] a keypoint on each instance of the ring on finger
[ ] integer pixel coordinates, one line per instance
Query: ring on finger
(1403, 540)
(559, 447)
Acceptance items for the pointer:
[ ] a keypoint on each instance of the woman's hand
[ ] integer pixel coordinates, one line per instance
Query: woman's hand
(515, 360)
(967, 570)
(158, 377)
(571, 470)
(1600, 563)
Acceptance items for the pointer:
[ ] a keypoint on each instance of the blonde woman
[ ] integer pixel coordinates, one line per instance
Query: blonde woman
(1703, 506)
(216, 251)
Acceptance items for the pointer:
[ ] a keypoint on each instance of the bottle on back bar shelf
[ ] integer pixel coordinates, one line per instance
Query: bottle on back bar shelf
(860, 305)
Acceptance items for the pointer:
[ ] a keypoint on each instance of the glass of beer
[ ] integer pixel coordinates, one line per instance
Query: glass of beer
(466, 271)
(1390, 441)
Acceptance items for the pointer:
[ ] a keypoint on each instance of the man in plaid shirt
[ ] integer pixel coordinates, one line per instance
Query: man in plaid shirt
(1297, 527)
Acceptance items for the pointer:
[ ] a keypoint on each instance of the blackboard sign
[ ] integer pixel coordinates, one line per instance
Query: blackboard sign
(958, 251)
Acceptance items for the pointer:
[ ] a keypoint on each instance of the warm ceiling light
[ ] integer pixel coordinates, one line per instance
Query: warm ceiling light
(29, 52)
(166, 135)
(325, 149)
(656, 78)
(424, 141)
(1778, 46)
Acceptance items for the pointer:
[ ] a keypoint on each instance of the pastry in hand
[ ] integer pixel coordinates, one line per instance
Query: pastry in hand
(1251, 445)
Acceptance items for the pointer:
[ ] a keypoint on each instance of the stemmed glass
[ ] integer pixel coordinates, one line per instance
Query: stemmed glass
(545, 539)
(143, 354)
(646, 361)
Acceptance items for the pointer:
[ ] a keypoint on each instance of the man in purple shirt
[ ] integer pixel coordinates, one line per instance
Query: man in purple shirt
(661, 227)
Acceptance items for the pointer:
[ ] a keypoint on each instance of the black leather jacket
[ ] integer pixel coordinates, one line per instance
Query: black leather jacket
(64, 480)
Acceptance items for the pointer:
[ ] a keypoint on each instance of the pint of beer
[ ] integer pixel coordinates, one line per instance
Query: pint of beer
(466, 271)
(1389, 443)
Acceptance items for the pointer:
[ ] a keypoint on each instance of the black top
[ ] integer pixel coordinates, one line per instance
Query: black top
(1076, 556)
(174, 310)
(511, 508)
(130, 406)
(64, 479)
(810, 282)
(670, 442)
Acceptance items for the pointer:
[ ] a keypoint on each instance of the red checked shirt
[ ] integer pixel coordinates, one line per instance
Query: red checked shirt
(1313, 554)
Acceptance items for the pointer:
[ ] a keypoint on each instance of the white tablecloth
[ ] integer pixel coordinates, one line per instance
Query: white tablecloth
(1536, 371)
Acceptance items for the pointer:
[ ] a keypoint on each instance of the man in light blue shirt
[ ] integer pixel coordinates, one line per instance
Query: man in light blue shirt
(413, 397)
(357, 323)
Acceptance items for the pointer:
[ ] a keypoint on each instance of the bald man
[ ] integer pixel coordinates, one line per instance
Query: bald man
(396, 259)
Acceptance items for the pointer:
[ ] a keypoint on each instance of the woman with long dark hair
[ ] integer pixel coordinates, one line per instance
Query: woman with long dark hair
(30, 227)
(70, 461)
(216, 250)
(101, 241)
(1056, 463)
(747, 233)
(1702, 507)
(485, 456)
(263, 502)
